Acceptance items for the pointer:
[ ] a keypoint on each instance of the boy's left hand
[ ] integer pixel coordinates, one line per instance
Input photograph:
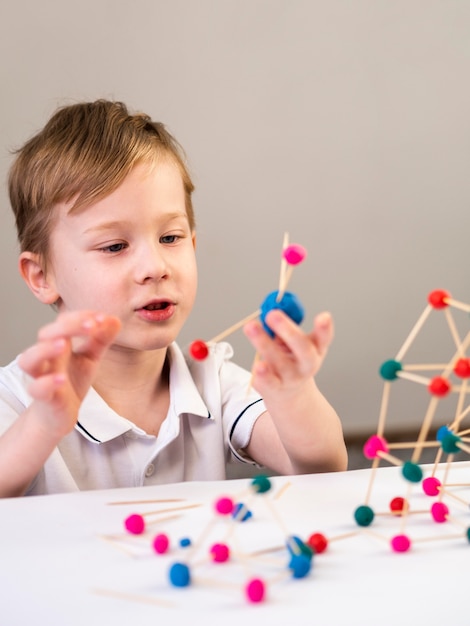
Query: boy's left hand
(290, 358)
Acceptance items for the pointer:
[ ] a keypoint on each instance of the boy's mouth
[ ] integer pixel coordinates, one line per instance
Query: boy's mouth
(156, 306)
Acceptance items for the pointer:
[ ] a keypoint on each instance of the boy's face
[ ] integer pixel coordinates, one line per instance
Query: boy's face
(131, 254)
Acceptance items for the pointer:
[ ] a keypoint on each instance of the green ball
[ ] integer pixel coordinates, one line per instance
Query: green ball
(261, 483)
(449, 443)
(364, 515)
(412, 472)
(389, 369)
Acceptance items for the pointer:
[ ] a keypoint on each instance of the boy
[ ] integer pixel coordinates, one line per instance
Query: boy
(105, 397)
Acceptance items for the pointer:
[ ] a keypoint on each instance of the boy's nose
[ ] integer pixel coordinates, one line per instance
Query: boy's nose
(151, 264)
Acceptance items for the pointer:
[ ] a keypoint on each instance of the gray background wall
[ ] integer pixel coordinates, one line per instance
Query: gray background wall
(345, 123)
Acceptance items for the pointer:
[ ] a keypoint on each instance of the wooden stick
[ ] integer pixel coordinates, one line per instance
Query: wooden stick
(415, 378)
(412, 444)
(423, 366)
(282, 275)
(415, 330)
(458, 305)
(175, 508)
(235, 327)
(282, 490)
(383, 408)
(453, 330)
(388, 457)
(124, 595)
(145, 501)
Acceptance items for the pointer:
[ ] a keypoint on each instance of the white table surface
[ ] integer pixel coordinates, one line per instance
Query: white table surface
(63, 557)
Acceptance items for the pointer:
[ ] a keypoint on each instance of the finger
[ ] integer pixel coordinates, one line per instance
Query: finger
(43, 357)
(46, 388)
(323, 332)
(73, 324)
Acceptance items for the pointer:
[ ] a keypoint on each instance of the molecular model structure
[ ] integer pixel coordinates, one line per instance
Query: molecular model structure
(452, 438)
(197, 561)
(292, 255)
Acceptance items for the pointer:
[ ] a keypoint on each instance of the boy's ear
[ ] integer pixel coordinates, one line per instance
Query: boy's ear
(32, 270)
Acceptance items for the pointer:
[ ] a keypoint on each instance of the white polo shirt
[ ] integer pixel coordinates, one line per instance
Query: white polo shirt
(210, 419)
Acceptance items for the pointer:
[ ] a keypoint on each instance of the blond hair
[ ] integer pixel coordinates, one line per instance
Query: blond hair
(83, 154)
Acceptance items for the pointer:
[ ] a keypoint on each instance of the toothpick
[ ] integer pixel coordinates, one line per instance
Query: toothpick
(415, 330)
(458, 305)
(282, 276)
(123, 502)
(235, 327)
(124, 595)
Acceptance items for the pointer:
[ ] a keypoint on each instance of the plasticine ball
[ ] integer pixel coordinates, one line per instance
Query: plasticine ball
(438, 299)
(241, 513)
(224, 506)
(439, 387)
(412, 472)
(261, 484)
(389, 369)
(374, 445)
(449, 443)
(161, 543)
(220, 552)
(198, 350)
(295, 545)
(294, 254)
(317, 542)
(468, 534)
(185, 542)
(431, 486)
(135, 524)
(289, 304)
(179, 575)
(439, 512)
(462, 368)
(300, 565)
(255, 590)
(399, 505)
(364, 515)
(442, 432)
(400, 543)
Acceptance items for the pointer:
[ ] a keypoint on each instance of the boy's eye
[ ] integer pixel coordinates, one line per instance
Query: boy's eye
(114, 247)
(169, 238)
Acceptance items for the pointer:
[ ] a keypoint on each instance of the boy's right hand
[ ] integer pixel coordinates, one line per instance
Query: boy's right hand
(63, 363)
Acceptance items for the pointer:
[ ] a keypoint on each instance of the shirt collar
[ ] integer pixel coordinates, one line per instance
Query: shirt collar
(98, 423)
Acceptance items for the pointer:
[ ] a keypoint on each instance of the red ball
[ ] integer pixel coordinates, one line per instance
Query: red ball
(439, 387)
(462, 368)
(198, 350)
(317, 542)
(399, 505)
(438, 299)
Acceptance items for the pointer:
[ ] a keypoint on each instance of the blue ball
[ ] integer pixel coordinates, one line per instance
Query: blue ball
(300, 565)
(289, 303)
(179, 575)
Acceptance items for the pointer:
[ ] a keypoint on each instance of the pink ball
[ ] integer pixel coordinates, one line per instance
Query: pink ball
(161, 543)
(220, 552)
(431, 486)
(224, 506)
(294, 254)
(374, 445)
(439, 512)
(135, 524)
(255, 590)
(400, 543)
